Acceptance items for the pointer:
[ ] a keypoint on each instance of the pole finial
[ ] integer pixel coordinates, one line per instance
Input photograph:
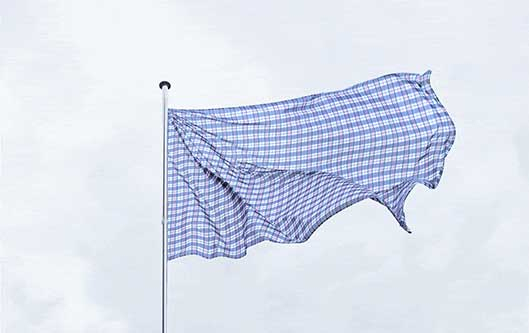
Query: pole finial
(164, 84)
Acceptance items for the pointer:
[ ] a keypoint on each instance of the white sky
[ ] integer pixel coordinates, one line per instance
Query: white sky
(81, 166)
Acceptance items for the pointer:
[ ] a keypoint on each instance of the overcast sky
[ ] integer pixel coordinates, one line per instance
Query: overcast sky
(81, 153)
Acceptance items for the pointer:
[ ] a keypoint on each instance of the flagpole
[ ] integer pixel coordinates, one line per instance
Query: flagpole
(165, 86)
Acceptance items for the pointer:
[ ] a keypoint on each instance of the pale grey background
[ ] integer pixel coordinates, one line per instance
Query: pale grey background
(81, 166)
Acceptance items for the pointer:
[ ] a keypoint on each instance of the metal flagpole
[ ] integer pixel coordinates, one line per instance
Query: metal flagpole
(165, 86)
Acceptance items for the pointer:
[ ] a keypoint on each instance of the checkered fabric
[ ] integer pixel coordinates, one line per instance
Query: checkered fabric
(238, 176)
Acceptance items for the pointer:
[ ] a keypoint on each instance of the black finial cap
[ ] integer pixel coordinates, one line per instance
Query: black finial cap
(164, 84)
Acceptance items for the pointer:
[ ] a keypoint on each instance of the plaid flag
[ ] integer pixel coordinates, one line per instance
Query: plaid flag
(238, 176)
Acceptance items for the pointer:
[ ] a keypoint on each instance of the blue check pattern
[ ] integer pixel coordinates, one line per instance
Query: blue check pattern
(238, 176)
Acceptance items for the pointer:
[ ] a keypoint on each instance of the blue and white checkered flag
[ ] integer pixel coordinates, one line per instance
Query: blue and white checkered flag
(238, 176)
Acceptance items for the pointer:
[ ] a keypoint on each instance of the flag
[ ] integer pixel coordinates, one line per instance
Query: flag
(238, 176)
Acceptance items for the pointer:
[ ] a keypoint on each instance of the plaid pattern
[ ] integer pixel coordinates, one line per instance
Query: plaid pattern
(240, 175)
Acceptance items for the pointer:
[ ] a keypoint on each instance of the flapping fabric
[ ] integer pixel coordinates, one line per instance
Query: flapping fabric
(240, 175)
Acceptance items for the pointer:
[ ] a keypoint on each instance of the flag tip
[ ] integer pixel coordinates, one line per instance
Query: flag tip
(164, 84)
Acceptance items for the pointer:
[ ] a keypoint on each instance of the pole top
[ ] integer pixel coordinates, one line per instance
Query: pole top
(164, 84)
